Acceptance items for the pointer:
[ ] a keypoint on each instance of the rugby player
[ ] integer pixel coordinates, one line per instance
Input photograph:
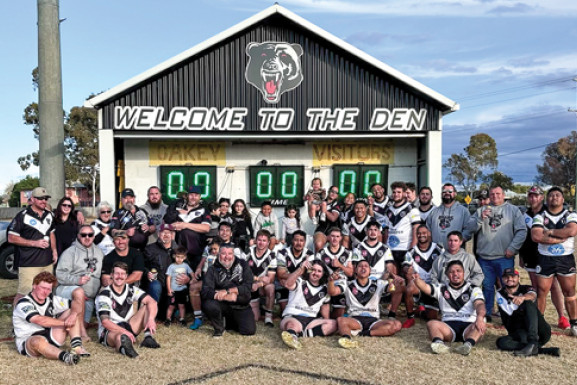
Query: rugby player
(354, 230)
(262, 261)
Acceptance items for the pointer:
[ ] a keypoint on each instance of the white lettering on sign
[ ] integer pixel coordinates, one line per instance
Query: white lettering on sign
(399, 119)
(271, 119)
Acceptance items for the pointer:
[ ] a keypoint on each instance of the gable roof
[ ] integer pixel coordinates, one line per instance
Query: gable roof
(101, 99)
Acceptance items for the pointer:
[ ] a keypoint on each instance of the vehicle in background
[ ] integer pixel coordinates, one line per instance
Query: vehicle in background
(8, 268)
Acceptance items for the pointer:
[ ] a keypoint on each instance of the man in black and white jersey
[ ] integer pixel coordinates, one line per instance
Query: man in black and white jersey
(425, 203)
(554, 230)
(338, 260)
(462, 311)
(375, 252)
(262, 261)
(354, 230)
(124, 311)
(308, 298)
(363, 296)
(289, 260)
(133, 220)
(42, 321)
(378, 203)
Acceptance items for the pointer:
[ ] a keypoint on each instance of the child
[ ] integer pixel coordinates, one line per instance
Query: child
(177, 293)
(214, 210)
(291, 222)
(207, 261)
(315, 195)
(242, 227)
(267, 220)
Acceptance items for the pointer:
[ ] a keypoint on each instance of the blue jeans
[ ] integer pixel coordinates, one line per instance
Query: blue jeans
(493, 269)
(155, 290)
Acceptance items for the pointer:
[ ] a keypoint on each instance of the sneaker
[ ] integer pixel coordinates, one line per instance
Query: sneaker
(348, 343)
(167, 323)
(126, 347)
(574, 330)
(464, 349)
(421, 309)
(80, 351)
(409, 323)
(529, 350)
(439, 348)
(218, 333)
(291, 340)
(71, 358)
(563, 323)
(182, 322)
(268, 321)
(149, 342)
(196, 324)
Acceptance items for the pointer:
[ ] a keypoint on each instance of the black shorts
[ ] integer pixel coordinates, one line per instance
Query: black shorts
(531, 260)
(304, 320)
(458, 328)
(549, 266)
(338, 301)
(103, 337)
(46, 333)
(427, 301)
(178, 298)
(366, 323)
(399, 257)
(282, 294)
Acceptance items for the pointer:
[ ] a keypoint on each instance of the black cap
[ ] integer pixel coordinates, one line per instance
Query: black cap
(194, 190)
(510, 271)
(127, 192)
(483, 194)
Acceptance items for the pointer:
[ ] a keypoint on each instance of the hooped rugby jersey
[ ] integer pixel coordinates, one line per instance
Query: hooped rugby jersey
(343, 255)
(356, 231)
(422, 261)
(119, 307)
(261, 266)
(363, 300)
(306, 299)
(505, 302)
(550, 222)
(457, 304)
(400, 221)
(285, 258)
(377, 256)
(27, 307)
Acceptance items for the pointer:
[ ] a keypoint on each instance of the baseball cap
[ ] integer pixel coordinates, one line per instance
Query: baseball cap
(119, 234)
(483, 194)
(535, 190)
(166, 226)
(127, 192)
(194, 190)
(40, 192)
(510, 271)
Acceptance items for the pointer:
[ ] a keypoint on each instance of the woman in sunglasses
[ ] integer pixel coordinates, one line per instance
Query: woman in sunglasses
(65, 225)
(101, 227)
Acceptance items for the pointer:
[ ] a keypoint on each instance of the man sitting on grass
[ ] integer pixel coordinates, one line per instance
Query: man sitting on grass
(42, 321)
(124, 311)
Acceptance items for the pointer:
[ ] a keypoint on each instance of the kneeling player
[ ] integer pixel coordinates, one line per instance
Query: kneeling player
(363, 296)
(42, 322)
(462, 311)
(308, 297)
(124, 311)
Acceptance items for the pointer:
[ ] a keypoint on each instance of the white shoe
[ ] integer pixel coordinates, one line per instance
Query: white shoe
(348, 343)
(439, 348)
(574, 330)
(464, 349)
(291, 340)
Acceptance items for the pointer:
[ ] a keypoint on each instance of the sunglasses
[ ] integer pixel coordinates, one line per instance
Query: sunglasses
(448, 191)
(42, 199)
(65, 205)
(86, 235)
(105, 212)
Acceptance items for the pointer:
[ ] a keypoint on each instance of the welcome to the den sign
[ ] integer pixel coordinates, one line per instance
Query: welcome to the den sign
(271, 119)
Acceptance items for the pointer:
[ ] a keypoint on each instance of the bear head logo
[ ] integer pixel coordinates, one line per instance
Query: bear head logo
(274, 68)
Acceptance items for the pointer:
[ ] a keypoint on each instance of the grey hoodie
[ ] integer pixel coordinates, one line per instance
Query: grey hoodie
(504, 229)
(473, 271)
(442, 220)
(77, 261)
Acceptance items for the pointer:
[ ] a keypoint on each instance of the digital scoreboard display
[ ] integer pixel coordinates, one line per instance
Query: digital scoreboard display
(174, 179)
(281, 185)
(359, 179)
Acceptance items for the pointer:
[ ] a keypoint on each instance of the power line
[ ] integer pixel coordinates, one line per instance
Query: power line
(514, 89)
(517, 98)
(507, 121)
(523, 150)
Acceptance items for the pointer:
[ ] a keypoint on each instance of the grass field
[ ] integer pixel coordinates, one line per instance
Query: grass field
(188, 357)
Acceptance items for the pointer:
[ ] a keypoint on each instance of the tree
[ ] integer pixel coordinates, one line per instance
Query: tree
(499, 178)
(466, 169)
(28, 183)
(558, 166)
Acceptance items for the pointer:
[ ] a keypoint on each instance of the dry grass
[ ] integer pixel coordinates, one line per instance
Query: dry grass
(188, 357)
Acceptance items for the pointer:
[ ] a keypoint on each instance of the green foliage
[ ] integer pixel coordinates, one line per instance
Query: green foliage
(27, 183)
(558, 166)
(498, 178)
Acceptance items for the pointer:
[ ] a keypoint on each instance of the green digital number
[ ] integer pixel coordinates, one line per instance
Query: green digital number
(179, 184)
(264, 183)
(289, 188)
(371, 177)
(197, 181)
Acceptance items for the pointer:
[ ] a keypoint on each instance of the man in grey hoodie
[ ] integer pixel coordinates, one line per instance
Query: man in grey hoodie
(78, 273)
(501, 231)
(454, 252)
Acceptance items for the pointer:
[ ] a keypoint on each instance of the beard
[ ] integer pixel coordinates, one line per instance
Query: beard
(154, 205)
(447, 200)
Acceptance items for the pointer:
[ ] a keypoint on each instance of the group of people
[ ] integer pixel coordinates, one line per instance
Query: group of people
(140, 265)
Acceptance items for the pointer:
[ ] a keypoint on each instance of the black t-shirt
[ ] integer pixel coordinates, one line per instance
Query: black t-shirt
(65, 233)
(192, 240)
(133, 259)
(29, 225)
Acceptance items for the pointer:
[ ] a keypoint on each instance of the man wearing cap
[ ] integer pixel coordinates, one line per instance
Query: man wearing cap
(133, 220)
(122, 253)
(554, 230)
(501, 231)
(32, 232)
(527, 328)
(155, 210)
(448, 217)
(529, 255)
(194, 224)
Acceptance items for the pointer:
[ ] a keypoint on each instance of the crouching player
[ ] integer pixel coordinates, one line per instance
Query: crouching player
(124, 311)
(462, 311)
(363, 296)
(308, 296)
(42, 322)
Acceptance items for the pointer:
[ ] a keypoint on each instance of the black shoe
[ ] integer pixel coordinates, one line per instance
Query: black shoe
(182, 322)
(126, 347)
(555, 352)
(167, 323)
(529, 350)
(150, 343)
(488, 319)
(218, 333)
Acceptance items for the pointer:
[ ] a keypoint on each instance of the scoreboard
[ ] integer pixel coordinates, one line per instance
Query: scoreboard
(176, 179)
(281, 185)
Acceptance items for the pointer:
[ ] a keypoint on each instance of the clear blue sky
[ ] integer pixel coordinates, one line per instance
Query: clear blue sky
(508, 63)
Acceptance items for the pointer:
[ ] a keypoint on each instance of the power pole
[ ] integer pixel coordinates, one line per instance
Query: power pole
(50, 109)
(575, 185)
